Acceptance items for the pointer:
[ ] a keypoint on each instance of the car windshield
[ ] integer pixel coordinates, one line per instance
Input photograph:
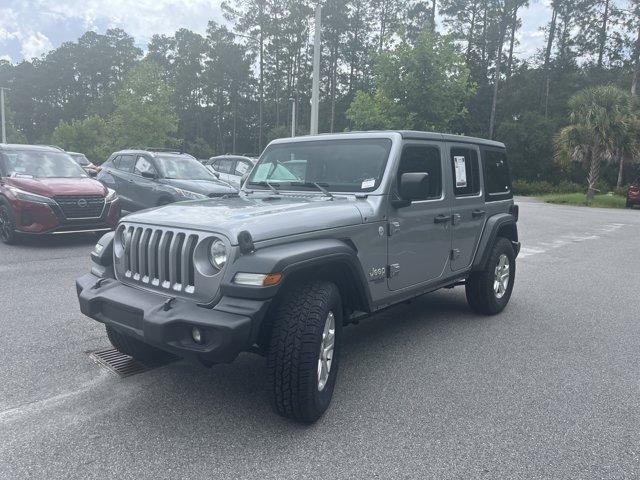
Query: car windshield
(350, 165)
(183, 168)
(41, 163)
(80, 159)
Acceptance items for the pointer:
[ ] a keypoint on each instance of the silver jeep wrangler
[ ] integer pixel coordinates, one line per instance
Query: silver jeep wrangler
(326, 230)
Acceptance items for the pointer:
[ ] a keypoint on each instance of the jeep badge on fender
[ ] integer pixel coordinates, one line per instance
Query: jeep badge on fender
(325, 230)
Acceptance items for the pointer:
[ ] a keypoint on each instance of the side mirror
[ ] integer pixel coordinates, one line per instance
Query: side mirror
(92, 173)
(216, 174)
(413, 186)
(149, 175)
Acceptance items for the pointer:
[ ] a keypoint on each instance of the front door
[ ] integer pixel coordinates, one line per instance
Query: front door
(468, 215)
(122, 175)
(420, 234)
(144, 191)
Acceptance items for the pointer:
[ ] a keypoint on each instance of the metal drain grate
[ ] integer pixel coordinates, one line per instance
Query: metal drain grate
(123, 365)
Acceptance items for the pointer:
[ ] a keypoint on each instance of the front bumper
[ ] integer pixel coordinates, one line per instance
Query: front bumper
(41, 218)
(229, 328)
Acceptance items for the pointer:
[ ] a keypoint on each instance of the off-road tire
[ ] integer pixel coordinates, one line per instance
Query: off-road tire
(479, 286)
(7, 235)
(135, 348)
(294, 349)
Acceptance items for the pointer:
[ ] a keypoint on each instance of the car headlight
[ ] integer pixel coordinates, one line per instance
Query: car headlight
(124, 236)
(111, 195)
(218, 254)
(28, 196)
(188, 194)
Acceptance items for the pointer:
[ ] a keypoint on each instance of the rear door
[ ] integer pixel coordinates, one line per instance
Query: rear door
(122, 174)
(468, 213)
(420, 234)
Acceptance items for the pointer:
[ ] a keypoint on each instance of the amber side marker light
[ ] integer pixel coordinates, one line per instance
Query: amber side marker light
(257, 279)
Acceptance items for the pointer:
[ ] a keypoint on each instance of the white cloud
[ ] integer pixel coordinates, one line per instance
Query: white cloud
(35, 44)
(5, 57)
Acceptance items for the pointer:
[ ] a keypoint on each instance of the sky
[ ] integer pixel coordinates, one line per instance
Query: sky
(30, 28)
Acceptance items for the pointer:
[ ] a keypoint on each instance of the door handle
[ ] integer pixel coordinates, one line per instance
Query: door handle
(442, 218)
(478, 213)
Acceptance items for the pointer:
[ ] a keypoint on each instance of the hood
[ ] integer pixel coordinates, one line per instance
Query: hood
(265, 217)
(204, 187)
(51, 187)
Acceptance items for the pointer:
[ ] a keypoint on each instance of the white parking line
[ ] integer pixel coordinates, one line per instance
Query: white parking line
(543, 247)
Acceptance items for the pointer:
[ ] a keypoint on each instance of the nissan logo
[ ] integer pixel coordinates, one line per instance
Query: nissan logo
(82, 203)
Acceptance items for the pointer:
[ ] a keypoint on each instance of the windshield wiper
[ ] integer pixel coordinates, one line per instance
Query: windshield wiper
(266, 184)
(319, 186)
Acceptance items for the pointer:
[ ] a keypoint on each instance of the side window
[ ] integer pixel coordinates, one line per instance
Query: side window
(143, 166)
(242, 167)
(496, 173)
(225, 165)
(125, 163)
(466, 171)
(418, 158)
(115, 163)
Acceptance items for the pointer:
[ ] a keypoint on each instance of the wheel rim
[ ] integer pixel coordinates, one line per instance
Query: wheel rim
(325, 359)
(501, 277)
(5, 225)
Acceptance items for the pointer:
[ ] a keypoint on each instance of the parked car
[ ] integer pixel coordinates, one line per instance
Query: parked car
(82, 160)
(145, 178)
(633, 194)
(230, 168)
(42, 190)
(378, 218)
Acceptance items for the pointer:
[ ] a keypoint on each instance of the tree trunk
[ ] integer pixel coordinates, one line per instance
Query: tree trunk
(433, 14)
(592, 178)
(636, 65)
(602, 41)
(512, 40)
(494, 100)
(470, 35)
(547, 59)
(621, 171)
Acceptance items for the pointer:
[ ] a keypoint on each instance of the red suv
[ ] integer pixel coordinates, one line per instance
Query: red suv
(42, 190)
(633, 194)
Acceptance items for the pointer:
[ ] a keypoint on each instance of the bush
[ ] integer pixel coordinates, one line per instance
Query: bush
(523, 187)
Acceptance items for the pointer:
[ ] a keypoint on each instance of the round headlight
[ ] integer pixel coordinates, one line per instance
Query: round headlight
(125, 236)
(218, 254)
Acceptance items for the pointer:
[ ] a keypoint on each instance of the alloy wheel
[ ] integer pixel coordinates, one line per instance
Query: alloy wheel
(501, 276)
(326, 351)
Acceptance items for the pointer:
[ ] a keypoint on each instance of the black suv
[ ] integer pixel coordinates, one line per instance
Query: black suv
(144, 178)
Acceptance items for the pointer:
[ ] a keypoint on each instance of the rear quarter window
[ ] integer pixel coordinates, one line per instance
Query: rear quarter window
(497, 177)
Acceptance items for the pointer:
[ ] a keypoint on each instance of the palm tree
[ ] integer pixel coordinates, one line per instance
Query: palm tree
(601, 131)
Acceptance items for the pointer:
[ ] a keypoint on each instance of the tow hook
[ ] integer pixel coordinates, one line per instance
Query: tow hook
(99, 283)
(168, 304)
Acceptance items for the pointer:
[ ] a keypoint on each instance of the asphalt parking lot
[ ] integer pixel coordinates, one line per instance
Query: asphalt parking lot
(548, 389)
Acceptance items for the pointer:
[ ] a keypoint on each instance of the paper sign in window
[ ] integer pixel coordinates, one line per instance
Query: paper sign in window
(461, 171)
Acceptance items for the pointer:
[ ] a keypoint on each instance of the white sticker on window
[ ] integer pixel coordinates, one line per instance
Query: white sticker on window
(368, 183)
(461, 172)
(242, 168)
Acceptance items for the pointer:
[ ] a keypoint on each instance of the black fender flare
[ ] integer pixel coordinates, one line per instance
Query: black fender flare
(501, 222)
(294, 258)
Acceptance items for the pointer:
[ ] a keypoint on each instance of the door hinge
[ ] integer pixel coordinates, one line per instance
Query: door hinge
(393, 270)
(394, 227)
(455, 253)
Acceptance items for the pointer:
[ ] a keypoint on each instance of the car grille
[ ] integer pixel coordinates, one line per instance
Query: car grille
(74, 207)
(160, 258)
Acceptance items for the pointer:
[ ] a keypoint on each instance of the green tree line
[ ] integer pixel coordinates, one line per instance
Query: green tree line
(446, 65)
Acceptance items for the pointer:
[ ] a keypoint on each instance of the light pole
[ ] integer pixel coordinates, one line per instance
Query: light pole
(315, 86)
(293, 116)
(2, 120)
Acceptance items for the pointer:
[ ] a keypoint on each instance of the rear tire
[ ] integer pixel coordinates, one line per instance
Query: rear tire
(304, 351)
(7, 224)
(488, 291)
(134, 347)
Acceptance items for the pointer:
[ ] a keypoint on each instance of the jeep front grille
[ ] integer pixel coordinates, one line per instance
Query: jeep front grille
(81, 206)
(160, 258)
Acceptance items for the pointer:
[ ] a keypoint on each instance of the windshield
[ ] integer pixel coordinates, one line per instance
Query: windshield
(80, 159)
(350, 165)
(183, 168)
(41, 163)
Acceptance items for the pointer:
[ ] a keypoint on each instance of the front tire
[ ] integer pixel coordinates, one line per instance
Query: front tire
(304, 351)
(135, 348)
(489, 290)
(7, 224)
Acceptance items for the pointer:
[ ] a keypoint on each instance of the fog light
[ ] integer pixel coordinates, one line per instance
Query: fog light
(196, 334)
